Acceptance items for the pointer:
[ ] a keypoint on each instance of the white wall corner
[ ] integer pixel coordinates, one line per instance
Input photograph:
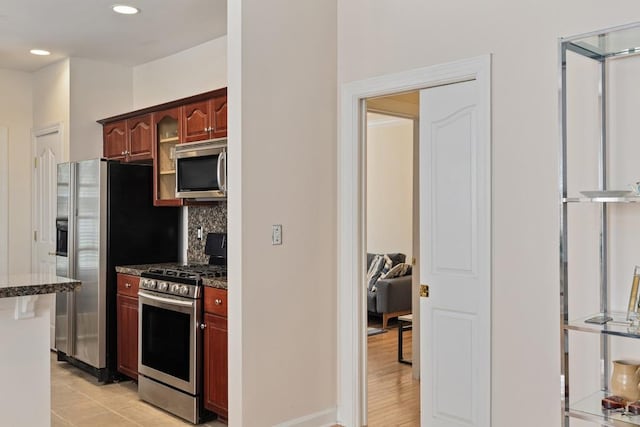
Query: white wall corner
(4, 201)
(324, 418)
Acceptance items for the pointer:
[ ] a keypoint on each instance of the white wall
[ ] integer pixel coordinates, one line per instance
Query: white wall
(199, 69)
(523, 40)
(16, 116)
(282, 170)
(51, 99)
(97, 90)
(4, 200)
(389, 184)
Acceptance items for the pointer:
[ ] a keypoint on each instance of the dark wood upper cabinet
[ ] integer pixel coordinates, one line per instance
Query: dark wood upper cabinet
(196, 121)
(219, 115)
(140, 131)
(151, 134)
(115, 140)
(129, 140)
(205, 119)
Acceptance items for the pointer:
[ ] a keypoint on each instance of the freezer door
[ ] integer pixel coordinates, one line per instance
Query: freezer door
(63, 299)
(90, 262)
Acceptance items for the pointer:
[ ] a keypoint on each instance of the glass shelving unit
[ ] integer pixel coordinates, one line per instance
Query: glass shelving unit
(601, 47)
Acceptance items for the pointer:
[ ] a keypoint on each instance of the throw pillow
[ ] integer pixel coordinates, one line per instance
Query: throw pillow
(380, 265)
(398, 270)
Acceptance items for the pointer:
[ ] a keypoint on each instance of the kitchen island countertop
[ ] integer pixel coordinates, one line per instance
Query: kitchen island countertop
(136, 270)
(17, 285)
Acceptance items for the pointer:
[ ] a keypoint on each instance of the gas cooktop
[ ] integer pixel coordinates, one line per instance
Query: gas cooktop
(183, 280)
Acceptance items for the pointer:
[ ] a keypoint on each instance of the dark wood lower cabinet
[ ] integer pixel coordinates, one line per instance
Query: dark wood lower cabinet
(215, 351)
(215, 365)
(127, 325)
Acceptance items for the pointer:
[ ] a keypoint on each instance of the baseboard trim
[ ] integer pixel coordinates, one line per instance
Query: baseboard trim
(324, 418)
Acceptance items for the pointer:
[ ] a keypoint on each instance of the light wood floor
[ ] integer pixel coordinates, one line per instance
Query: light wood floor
(78, 400)
(394, 396)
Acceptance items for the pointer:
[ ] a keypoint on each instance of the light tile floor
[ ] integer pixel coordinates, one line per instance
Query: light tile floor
(78, 400)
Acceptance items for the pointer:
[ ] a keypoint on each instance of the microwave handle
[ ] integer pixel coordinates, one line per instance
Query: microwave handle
(222, 172)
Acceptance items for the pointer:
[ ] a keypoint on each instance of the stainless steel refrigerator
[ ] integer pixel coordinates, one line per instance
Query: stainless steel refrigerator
(105, 217)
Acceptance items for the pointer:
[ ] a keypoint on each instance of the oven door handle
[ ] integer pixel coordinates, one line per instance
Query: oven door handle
(167, 300)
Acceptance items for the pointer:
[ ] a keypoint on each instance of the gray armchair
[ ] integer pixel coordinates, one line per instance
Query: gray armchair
(391, 297)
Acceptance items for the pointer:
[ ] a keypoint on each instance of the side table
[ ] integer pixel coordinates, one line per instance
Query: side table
(405, 323)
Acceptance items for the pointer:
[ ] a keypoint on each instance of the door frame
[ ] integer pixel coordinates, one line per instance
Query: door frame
(4, 200)
(351, 254)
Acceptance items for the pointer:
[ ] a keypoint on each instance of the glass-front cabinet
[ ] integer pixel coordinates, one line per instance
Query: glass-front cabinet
(167, 136)
(599, 227)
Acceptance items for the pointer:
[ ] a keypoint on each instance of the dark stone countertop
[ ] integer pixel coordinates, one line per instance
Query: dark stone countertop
(136, 270)
(17, 285)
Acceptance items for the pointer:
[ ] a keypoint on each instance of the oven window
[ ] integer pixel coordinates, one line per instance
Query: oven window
(198, 173)
(166, 341)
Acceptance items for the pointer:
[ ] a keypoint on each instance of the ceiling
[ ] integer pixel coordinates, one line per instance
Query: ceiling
(403, 104)
(90, 29)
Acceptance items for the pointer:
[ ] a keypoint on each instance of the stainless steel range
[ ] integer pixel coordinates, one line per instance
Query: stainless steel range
(170, 338)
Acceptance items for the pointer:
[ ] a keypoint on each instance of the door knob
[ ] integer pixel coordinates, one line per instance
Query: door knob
(424, 291)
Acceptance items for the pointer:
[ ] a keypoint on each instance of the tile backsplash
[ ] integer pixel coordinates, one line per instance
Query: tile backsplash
(212, 219)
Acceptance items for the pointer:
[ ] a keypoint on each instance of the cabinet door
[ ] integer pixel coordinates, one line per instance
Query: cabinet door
(167, 128)
(215, 366)
(127, 330)
(127, 285)
(115, 140)
(219, 117)
(196, 121)
(140, 138)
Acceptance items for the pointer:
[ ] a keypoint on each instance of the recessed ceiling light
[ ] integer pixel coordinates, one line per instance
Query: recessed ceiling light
(124, 9)
(40, 52)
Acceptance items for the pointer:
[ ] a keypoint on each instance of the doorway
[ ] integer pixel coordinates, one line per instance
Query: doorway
(392, 380)
(352, 245)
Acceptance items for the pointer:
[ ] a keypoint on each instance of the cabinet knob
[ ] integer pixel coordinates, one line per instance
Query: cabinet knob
(127, 285)
(123, 153)
(203, 325)
(218, 301)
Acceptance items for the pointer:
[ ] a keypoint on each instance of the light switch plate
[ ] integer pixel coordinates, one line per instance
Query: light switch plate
(276, 234)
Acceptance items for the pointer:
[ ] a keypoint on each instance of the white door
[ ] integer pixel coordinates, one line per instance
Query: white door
(455, 257)
(48, 153)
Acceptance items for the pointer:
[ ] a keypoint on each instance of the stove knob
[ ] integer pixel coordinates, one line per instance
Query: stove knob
(151, 284)
(184, 290)
(175, 288)
(162, 286)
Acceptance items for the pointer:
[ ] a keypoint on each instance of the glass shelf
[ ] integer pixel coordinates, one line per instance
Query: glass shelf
(619, 326)
(590, 408)
(619, 41)
(582, 199)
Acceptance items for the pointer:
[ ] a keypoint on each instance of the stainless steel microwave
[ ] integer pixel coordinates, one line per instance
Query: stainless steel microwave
(201, 169)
